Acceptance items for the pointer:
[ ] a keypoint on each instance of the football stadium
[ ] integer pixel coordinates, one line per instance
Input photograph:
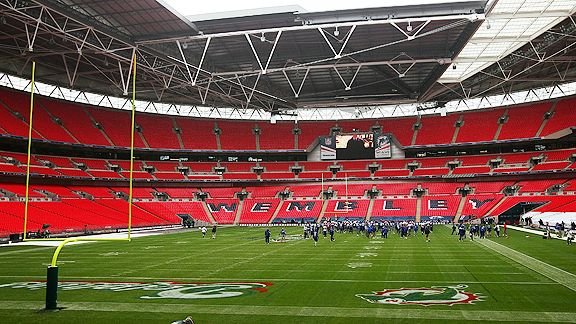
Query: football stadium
(363, 162)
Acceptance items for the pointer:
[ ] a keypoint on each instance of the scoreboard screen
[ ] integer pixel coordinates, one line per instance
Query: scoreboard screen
(364, 140)
(355, 146)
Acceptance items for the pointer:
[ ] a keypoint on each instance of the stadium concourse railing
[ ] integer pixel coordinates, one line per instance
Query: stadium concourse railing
(69, 122)
(443, 167)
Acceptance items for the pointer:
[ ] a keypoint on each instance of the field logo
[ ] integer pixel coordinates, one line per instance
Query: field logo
(164, 290)
(449, 295)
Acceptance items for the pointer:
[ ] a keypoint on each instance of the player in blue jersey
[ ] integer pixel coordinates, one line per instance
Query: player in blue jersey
(384, 230)
(267, 236)
(315, 236)
(283, 234)
(426, 231)
(332, 233)
(482, 231)
(462, 232)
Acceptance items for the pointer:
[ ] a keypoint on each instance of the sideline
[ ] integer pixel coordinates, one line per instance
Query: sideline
(562, 277)
(338, 312)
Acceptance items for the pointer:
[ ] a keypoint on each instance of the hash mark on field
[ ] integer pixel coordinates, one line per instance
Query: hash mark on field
(367, 254)
(149, 247)
(355, 265)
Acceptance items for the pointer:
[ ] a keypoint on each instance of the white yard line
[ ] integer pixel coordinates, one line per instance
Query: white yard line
(339, 312)
(563, 277)
(261, 279)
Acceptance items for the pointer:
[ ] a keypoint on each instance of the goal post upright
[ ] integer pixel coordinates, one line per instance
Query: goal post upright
(52, 271)
(26, 198)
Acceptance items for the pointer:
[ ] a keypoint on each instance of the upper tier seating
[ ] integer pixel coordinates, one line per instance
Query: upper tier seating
(197, 134)
(237, 135)
(77, 124)
(76, 121)
(436, 130)
(402, 128)
(117, 125)
(487, 121)
(517, 127)
(562, 118)
(12, 125)
(277, 136)
(158, 131)
(18, 102)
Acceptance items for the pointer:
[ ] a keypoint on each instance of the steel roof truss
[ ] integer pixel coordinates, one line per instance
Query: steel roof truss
(263, 68)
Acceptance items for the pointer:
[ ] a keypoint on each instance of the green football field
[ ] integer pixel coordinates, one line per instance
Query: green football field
(236, 278)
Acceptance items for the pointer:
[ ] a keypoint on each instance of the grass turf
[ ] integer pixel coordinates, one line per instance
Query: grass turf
(309, 284)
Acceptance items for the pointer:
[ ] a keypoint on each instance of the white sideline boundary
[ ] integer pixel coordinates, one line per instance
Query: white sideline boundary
(560, 276)
(319, 312)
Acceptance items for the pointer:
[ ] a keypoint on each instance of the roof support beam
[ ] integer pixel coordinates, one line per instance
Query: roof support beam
(441, 60)
(263, 68)
(469, 17)
(296, 93)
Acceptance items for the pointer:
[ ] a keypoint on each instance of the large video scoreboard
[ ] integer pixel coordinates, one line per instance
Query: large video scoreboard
(355, 146)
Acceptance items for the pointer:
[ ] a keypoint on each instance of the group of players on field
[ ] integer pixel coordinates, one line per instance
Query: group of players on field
(366, 228)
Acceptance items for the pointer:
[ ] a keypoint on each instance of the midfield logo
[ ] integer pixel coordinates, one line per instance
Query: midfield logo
(449, 295)
(165, 290)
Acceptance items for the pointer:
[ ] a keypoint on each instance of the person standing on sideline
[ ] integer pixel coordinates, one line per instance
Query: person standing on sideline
(497, 230)
(214, 231)
(283, 234)
(204, 230)
(505, 232)
(453, 228)
(267, 236)
(331, 233)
